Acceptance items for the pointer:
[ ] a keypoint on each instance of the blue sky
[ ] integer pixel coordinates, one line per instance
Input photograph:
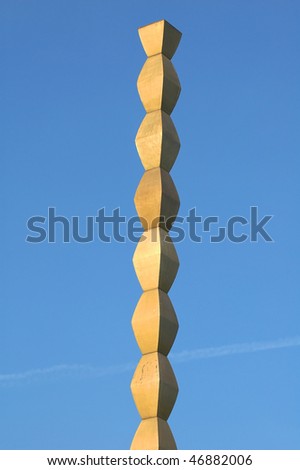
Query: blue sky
(70, 112)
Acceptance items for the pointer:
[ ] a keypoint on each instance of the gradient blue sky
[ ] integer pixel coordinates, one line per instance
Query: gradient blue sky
(69, 115)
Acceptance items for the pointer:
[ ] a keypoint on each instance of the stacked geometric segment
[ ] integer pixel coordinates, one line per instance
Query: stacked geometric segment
(154, 387)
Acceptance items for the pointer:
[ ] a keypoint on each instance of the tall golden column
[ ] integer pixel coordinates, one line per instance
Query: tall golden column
(154, 387)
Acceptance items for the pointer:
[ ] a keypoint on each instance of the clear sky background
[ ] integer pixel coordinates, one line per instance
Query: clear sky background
(69, 115)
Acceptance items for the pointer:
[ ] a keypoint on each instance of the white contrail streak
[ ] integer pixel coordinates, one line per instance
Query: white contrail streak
(238, 348)
(87, 371)
(63, 370)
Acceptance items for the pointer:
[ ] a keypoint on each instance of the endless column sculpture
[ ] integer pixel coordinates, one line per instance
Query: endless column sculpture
(154, 387)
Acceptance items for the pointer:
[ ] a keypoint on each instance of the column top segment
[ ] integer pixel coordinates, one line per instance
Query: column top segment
(159, 38)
